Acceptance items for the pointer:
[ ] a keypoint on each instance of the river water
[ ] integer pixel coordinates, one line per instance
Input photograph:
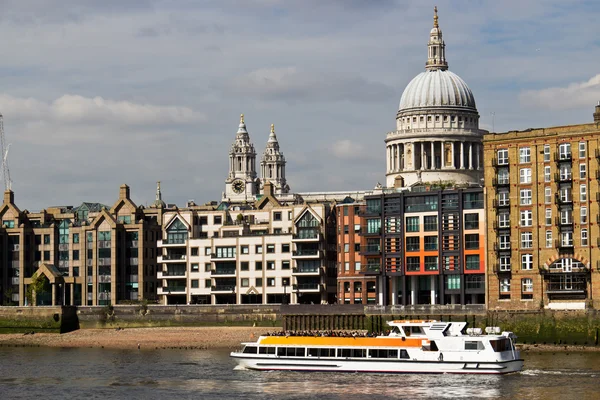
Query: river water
(42, 373)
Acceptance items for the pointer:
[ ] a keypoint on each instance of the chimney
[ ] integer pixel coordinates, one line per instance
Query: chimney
(268, 188)
(9, 197)
(124, 192)
(597, 113)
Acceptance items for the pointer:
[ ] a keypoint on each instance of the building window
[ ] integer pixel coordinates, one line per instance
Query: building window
(46, 255)
(584, 237)
(413, 263)
(566, 217)
(548, 195)
(285, 264)
(258, 282)
(582, 193)
(525, 175)
(526, 240)
(285, 247)
(503, 220)
(75, 255)
(258, 249)
(207, 267)
(547, 177)
(503, 198)
(583, 215)
(258, 266)
(346, 229)
(271, 265)
(245, 249)
(472, 262)
(277, 216)
(195, 284)
(548, 239)
(347, 266)
(546, 152)
(207, 251)
(431, 243)
(565, 195)
(356, 228)
(430, 223)
(527, 262)
(453, 282)
(195, 267)
(76, 238)
(413, 243)
(193, 251)
(524, 155)
(245, 282)
(346, 247)
(526, 288)
(270, 282)
(581, 149)
(218, 219)
(504, 242)
(526, 218)
(504, 263)
(225, 252)
(564, 151)
(270, 248)
(472, 241)
(471, 221)
(431, 263)
(244, 266)
(548, 216)
(525, 197)
(565, 172)
(412, 224)
(503, 157)
(46, 238)
(582, 171)
(207, 283)
(503, 176)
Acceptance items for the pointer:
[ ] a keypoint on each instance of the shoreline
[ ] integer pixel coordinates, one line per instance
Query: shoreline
(195, 338)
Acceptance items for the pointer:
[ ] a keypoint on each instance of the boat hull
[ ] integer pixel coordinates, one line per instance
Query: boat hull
(377, 366)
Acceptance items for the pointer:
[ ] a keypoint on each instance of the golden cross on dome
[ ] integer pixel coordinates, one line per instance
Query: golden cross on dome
(435, 17)
(272, 128)
(241, 118)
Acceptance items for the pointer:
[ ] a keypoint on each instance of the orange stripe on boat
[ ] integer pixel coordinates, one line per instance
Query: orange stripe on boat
(339, 341)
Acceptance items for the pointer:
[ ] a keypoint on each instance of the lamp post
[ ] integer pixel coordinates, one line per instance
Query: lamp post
(285, 284)
(233, 294)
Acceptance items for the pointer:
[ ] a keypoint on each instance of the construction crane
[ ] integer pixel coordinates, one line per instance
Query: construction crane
(4, 149)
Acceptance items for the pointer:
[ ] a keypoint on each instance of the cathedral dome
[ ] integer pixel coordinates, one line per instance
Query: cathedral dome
(437, 88)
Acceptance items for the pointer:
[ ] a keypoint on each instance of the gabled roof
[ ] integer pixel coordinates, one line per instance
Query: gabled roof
(48, 270)
(104, 215)
(308, 208)
(175, 217)
(267, 200)
(91, 207)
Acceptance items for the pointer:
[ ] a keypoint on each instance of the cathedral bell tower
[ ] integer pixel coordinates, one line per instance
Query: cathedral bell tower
(272, 165)
(241, 183)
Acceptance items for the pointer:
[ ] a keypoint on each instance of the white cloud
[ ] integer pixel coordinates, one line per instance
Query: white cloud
(575, 95)
(78, 109)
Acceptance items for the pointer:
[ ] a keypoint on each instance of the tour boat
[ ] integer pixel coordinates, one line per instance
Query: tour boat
(411, 346)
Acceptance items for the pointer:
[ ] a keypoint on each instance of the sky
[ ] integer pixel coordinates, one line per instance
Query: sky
(95, 94)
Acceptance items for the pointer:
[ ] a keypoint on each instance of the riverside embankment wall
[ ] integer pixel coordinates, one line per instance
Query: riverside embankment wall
(544, 326)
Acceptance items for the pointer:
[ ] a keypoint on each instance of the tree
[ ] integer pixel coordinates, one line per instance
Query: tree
(37, 286)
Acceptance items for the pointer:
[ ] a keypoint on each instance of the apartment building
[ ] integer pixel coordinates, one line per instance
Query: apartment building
(266, 252)
(87, 255)
(542, 199)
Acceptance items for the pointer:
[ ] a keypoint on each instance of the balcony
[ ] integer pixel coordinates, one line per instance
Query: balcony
(223, 271)
(306, 253)
(497, 226)
(170, 274)
(215, 256)
(104, 279)
(171, 289)
(564, 245)
(306, 271)
(563, 178)
(563, 157)
(500, 182)
(504, 247)
(502, 269)
(308, 287)
(223, 288)
(563, 223)
(364, 231)
(372, 269)
(307, 238)
(370, 250)
(500, 163)
(579, 269)
(501, 204)
(369, 211)
(171, 257)
(562, 201)
(578, 287)
(171, 243)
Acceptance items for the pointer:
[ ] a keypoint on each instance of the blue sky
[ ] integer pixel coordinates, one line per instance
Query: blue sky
(96, 94)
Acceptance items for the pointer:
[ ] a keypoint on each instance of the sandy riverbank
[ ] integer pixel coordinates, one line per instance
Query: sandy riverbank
(184, 337)
(147, 338)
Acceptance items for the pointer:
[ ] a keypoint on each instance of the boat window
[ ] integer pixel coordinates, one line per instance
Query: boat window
(474, 345)
(433, 346)
(290, 351)
(404, 354)
(266, 350)
(250, 349)
(413, 330)
(383, 353)
(501, 345)
(318, 352)
(359, 353)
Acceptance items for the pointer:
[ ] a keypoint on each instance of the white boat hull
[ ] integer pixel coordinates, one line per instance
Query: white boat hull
(378, 366)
